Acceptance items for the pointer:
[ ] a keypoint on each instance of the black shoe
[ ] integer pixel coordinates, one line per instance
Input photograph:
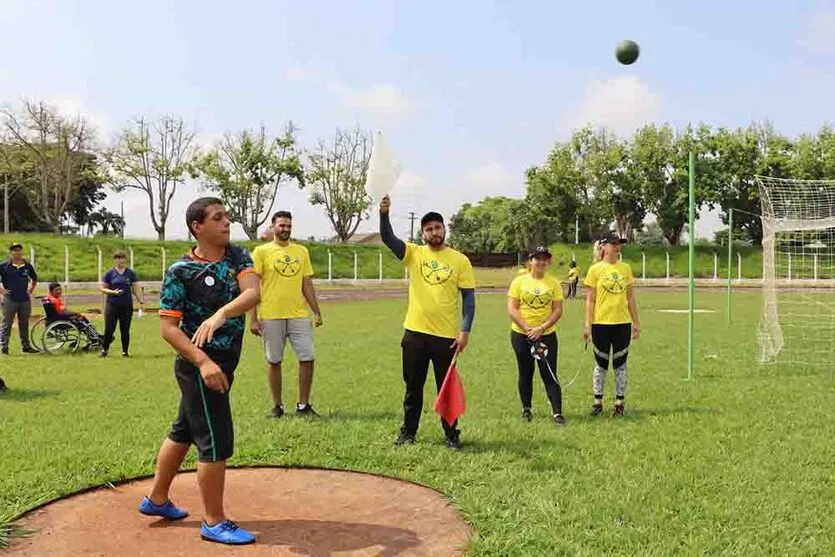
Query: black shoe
(527, 415)
(4, 350)
(618, 411)
(2, 385)
(404, 438)
(30, 350)
(559, 420)
(276, 412)
(453, 443)
(103, 354)
(125, 355)
(596, 409)
(306, 411)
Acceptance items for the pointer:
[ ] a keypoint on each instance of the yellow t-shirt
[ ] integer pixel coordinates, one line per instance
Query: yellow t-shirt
(610, 281)
(282, 269)
(435, 278)
(536, 298)
(573, 273)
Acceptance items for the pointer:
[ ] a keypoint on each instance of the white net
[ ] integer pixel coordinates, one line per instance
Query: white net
(797, 324)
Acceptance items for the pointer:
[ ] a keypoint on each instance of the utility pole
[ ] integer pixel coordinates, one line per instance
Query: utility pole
(412, 218)
(576, 229)
(123, 220)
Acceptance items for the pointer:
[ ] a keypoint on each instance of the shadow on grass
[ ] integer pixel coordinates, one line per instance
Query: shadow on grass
(321, 537)
(369, 416)
(640, 413)
(25, 395)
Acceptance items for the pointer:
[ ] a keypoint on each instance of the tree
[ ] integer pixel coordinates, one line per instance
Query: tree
(106, 222)
(59, 146)
(90, 192)
(485, 227)
(337, 180)
(246, 171)
(154, 159)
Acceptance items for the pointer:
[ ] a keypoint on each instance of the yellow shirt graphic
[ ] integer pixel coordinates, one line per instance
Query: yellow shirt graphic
(435, 278)
(536, 298)
(610, 281)
(282, 269)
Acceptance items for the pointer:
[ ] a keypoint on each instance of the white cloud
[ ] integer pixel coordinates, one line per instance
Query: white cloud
(622, 104)
(819, 34)
(72, 107)
(383, 101)
(491, 179)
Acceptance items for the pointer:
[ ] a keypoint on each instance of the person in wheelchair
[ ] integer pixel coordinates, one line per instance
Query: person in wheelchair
(56, 310)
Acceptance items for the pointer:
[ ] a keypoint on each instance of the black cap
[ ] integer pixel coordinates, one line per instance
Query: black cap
(611, 238)
(431, 216)
(539, 250)
(15, 245)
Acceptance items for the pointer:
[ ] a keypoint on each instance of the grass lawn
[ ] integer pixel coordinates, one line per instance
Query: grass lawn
(738, 461)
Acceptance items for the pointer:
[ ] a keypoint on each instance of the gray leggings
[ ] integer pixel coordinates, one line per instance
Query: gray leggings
(11, 309)
(612, 339)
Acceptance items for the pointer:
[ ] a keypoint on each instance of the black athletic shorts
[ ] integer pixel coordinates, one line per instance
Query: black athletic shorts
(205, 416)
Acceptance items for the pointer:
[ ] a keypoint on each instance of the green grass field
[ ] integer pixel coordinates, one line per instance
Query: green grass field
(737, 462)
(49, 258)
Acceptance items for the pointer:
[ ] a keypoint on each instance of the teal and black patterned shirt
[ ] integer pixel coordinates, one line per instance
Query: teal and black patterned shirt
(194, 289)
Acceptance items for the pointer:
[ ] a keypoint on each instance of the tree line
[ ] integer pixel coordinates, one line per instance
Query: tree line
(54, 171)
(595, 181)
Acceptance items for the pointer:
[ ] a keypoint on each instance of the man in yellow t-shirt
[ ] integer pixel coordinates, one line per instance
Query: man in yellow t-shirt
(441, 288)
(286, 287)
(573, 279)
(611, 319)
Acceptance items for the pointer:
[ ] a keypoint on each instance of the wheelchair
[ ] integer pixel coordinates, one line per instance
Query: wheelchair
(55, 334)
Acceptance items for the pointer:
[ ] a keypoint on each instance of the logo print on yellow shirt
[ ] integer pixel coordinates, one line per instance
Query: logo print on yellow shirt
(287, 266)
(615, 283)
(435, 272)
(537, 298)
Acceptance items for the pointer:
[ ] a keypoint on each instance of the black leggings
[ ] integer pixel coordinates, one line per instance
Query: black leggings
(611, 343)
(572, 288)
(525, 361)
(123, 313)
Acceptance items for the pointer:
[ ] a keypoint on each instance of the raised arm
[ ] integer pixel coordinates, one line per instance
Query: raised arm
(395, 244)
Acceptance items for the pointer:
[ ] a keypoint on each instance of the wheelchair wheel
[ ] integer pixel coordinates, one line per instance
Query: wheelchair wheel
(61, 337)
(36, 333)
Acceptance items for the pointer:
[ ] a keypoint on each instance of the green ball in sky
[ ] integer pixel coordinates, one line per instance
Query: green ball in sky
(627, 52)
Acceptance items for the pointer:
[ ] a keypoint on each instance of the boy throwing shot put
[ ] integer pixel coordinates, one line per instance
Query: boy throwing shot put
(438, 277)
(202, 305)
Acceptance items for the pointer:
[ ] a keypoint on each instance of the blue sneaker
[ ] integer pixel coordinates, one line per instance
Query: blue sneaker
(166, 510)
(226, 532)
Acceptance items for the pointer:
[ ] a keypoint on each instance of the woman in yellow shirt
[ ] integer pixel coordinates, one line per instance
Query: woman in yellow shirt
(534, 304)
(611, 318)
(573, 279)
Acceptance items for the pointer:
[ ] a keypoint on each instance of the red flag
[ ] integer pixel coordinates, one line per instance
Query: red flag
(450, 403)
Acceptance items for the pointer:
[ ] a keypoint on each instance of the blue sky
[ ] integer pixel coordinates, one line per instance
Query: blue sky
(469, 93)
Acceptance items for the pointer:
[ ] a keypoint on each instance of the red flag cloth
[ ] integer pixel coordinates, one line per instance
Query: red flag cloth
(450, 403)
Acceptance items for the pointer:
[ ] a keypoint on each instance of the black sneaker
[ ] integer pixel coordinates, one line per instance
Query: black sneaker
(103, 354)
(559, 420)
(30, 350)
(2, 385)
(276, 412)
(125, 355)
(306, 411)
(404, 438)
(618, 411)
(527, 415)
(596, 409)
(4, 350)
(453, 443)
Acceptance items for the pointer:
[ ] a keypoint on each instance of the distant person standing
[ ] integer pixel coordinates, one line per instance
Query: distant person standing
(573, 279)
(286, 275)
(19, 280)
(121, 285)
(439, 316)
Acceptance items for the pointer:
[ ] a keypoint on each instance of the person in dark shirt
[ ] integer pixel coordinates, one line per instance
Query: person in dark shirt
(203, 300)
(121, 285)
(19, 279)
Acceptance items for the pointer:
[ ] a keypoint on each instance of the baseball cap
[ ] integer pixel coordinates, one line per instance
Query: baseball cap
(15, 245)
(611, 238)
(539, 250)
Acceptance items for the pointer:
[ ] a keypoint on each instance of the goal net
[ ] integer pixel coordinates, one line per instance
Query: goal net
(797, 323)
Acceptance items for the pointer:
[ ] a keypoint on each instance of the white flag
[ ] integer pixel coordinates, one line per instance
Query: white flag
(383, 169)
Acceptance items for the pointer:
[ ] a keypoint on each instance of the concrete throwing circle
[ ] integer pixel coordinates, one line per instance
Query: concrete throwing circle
(291, 511)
